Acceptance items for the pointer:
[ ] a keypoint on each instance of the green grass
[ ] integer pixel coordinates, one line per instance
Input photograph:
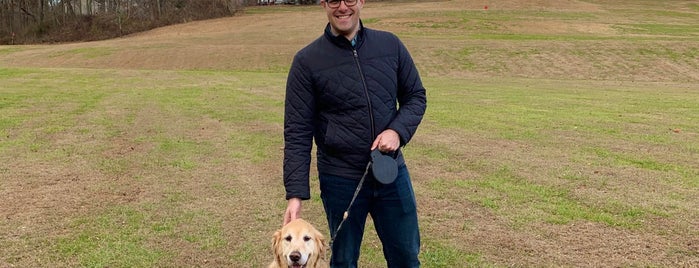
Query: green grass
(534, 202)
(159, 119)
(128, 237)
(496, 25)
(561, 106)
(115, 239)
(546, 114)
(8, 50)
(437, 254)
(87, 53)
(659, 29)
(524, 111)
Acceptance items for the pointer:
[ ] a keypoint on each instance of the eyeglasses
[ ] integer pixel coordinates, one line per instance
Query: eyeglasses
(336, 3)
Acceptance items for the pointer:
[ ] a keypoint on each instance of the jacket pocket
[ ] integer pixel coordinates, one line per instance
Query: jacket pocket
(338, 138)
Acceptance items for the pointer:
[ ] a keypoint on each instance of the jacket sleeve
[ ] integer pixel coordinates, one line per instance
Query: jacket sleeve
(412, 100)
(299, 110)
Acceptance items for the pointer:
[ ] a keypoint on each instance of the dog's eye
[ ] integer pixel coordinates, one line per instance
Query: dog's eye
(287, 238)
(306, 238)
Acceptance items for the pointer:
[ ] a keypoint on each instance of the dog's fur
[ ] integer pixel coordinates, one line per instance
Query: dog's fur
(298, 245)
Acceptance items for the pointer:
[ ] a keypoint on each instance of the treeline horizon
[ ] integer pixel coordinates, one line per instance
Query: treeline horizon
(51, 21)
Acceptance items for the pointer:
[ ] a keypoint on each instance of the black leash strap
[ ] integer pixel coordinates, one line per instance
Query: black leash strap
(346, 214)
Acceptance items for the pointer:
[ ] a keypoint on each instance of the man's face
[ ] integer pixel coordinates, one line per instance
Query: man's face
(344, 20)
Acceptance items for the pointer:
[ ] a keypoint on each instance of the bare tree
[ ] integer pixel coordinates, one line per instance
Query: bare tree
(49, 20)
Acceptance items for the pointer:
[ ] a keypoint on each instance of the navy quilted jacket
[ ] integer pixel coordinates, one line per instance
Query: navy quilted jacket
(343, 97)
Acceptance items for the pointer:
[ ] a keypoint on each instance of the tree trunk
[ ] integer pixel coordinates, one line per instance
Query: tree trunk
(41, 11)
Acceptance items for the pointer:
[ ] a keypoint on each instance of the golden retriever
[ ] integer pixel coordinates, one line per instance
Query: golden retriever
(298, 245)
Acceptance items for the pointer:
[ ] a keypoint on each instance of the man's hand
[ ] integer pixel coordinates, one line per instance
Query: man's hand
(293, 210)
(388, 141)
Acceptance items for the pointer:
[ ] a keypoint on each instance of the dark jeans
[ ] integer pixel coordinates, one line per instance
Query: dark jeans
(392, 207)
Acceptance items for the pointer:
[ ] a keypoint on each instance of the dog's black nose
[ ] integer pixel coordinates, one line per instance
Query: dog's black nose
(295, 256)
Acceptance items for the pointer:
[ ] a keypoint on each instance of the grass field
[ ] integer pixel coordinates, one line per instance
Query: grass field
(558, 134)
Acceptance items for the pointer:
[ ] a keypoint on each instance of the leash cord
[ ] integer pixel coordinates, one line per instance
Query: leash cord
(346, 214)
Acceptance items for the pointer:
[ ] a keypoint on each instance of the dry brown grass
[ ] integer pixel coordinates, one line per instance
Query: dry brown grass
(264, 40)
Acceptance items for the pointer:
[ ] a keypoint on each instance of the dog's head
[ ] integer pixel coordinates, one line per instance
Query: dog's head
(298, 245)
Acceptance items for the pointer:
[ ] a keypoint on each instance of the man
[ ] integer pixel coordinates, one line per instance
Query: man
(354, 90)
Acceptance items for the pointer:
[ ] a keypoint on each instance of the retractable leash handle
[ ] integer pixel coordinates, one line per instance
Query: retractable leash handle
(384, 167)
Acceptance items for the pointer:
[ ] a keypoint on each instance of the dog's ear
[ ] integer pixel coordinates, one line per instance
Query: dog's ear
(276, 239)
(322, 244)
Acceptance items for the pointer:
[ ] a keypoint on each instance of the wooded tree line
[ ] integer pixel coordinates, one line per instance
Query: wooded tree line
(32, 21)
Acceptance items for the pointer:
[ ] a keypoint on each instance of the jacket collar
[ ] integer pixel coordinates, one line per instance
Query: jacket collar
(341, 41)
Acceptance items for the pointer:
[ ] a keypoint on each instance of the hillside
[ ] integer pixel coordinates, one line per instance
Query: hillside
(650, 41)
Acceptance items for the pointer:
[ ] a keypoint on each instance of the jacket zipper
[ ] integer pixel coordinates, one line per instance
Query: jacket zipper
(366, 93)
